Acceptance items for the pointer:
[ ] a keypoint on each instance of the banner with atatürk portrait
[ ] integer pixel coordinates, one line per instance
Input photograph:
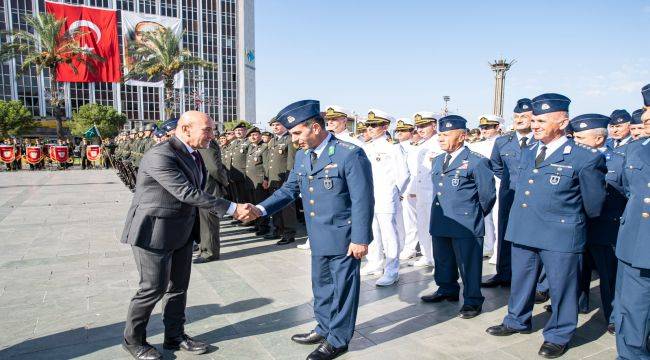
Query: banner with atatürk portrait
(134, 26)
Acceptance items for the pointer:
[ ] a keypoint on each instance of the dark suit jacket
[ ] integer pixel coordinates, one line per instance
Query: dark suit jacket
(217, 179)
(167, 194)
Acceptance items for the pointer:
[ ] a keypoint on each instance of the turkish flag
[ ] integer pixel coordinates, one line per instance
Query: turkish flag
(99, 28)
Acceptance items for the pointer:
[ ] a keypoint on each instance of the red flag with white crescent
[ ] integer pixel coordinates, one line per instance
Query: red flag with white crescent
(99, 28)
(33, 154)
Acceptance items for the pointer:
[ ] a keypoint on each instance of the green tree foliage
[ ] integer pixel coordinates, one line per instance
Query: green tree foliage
(15, 119)
(107, 119)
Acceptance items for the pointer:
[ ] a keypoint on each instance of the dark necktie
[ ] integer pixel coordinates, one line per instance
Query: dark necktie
(540, 158)
(523, 143)
(313, 158)
(445, 164)
(199, 164)
(617, 143)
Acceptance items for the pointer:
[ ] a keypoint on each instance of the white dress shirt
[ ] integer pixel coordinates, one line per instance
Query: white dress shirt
(551, 147)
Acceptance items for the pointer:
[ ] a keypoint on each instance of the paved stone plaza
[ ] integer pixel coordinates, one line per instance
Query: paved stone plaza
(65, 284)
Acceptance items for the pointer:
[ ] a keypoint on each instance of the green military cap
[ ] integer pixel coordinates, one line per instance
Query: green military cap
(267, 133)
(273, 120)
(241, 124)
(254, 129)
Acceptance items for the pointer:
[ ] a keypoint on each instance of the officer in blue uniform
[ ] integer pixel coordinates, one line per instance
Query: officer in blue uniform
(636, 125)
(632, 249)
(591, 130)
(505, 164)
(464, 193)
(560, 185)
(334, 179)
(619, 130)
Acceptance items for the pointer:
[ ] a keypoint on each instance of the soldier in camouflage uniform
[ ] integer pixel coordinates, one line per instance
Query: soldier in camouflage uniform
(281, 154)
(256, 181)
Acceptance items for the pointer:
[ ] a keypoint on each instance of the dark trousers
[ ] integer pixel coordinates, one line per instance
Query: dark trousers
(164, 274)
(466, 255)
(85, 163)
(210, 241)
(259, 195)
(603, 259)
(633, 312)
(504, 265)
(285, 220)
(562, 271)
(335, 283)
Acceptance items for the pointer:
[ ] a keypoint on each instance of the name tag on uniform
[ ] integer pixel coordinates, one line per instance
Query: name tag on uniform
(464, 165)
(555, 179)
(331, 166)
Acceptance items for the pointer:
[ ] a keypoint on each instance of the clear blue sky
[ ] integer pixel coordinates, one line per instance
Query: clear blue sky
(403, 56)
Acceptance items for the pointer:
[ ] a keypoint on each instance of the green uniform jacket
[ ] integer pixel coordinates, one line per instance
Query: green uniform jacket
(281, 154)
(257, 158)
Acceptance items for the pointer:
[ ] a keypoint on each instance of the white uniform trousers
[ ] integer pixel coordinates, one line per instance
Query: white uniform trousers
(423, 210)
(385, 244)
(410, 224)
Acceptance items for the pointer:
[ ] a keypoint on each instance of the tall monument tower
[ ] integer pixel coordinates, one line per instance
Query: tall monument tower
(499, 67)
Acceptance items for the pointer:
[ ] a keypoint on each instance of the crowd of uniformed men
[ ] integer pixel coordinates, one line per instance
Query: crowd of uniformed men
(551, 200)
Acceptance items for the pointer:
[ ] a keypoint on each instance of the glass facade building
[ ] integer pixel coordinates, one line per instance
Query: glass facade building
(220, 31)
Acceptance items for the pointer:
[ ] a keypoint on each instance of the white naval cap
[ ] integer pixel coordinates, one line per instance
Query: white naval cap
(404, 123)
(489, 119)
(378, 116)
(424, 117)
(335, 111)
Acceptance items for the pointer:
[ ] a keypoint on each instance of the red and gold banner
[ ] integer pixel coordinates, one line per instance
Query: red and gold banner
(33, 154)
(59, 153)
(7, 153)
(93, 152)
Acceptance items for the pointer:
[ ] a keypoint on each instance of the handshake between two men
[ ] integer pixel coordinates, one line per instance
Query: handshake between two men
(249, 212)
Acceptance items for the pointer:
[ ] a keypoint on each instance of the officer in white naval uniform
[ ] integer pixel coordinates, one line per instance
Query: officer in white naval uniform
(336, 118)
(390, 177)
(426, 123)
(408, 139)
(490, 126)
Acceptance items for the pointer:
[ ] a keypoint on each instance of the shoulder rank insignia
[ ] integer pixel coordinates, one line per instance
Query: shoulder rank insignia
(567, 150)
(331, 150)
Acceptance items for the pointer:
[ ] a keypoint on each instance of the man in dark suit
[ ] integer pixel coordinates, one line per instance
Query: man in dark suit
(161, 225)
(216, 184)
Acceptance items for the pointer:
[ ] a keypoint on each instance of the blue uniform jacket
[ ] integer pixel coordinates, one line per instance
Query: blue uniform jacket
(504, 160)
(633, 244)
(603, 230)
(337, 196)
(463, 195)
(552, 202)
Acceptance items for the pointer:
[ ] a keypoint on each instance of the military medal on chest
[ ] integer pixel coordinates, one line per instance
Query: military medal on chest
(554, 180)
(327, 183)
(455, 181)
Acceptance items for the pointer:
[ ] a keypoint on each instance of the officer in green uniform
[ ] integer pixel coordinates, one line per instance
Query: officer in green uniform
(256, 181)
(239, 153)
(281, 154)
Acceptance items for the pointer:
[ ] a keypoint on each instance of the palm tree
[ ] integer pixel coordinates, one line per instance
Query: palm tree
(48, 47)
(160, 56)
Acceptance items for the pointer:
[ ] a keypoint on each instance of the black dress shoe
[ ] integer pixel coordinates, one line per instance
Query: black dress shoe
(309, 338)
(186, 343)
(261, 232)
(203, 260)
(495, 282)
(583, 311)
(326, 351)
(541, 297)
(437, 297)
(502, 330)
(271, 236)
(551, 351)
(469, 311)
(285, 241)
(611, 328)
(142, 352)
